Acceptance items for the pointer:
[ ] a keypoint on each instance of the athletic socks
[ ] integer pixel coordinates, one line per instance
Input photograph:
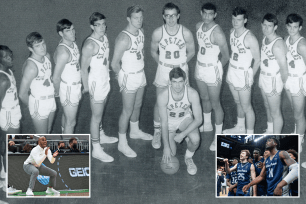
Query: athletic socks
(189, 154)
(207, 117)
(241, 122)
(250, 131)
(270, 127)
(134, 127)
(218, 128)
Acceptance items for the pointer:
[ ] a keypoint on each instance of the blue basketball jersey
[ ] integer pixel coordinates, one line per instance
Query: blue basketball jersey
(275, 172)
(243, 177)
(262, 186)
(233, 177)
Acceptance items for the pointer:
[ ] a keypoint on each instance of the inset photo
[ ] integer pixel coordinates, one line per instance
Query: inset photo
(257, 165)
(48, 166)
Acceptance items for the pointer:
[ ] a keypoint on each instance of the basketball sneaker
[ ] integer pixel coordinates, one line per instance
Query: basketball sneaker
(191, 167)
(235, 130)
(206, 127)
(141, 135)
(126, 150)
(303, 165)
(11, 190)
(101, 155)
(29, 192)
(267, 132)
(106, 139)
(52, 191)
(156, 142)
(213, 145)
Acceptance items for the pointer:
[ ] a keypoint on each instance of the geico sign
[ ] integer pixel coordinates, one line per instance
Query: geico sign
(79, 172)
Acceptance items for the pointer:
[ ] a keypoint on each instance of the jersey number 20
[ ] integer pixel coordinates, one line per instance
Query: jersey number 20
(176, 54)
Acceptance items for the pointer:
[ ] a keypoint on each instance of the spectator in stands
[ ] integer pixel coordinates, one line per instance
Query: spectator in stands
(73, 145)
(27, 148)
(12, 147)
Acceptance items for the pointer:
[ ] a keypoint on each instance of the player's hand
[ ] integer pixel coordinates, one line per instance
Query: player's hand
(260, 165)
(167, 155)
(225, 160)
(278, 191)
(46, 151)
(230, 188)
(179, 137)
(245, 188)
(55, 153)
(250, 160)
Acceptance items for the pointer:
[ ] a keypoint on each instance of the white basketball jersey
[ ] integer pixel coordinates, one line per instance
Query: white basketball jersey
(296, 64)
(99, 65)
(268, 60)
(172, 48)
(241, 56)
(71, 72)
(208, 52)
(10, 99)
(133, 58)
(178, 109)
(42, 84)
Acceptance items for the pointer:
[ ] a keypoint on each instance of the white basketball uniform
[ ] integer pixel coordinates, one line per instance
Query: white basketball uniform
(270, 80)
(296, 82)
(172, 53)
(98, 78)
(70, 86)
(41, 100)
(10, 113)
(208, 68)
(177, 111)
(131, 76)
(240, 73)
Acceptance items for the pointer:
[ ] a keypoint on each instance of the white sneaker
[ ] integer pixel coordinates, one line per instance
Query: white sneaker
(52, 191)
(303, 165)
(29, 192)
(235, 130)
(141, 135)
(101, 155)
(267, 132)
(126, 150)
(156, 142)
(213, 145)
(206, 127)
(12, 190)
(191, 167)
(106, 139)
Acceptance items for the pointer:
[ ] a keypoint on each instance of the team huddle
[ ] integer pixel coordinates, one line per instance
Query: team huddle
(273, 174)
(178, 108)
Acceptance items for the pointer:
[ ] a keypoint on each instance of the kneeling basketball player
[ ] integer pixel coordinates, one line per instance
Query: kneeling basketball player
(174, 104)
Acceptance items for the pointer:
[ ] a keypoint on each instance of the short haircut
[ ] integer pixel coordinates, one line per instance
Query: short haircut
(4, 48)
(96, 16)
(276, 141)
(248, 154)
(209, 6)
(294, 18)
(270, 18)
(170, 6)
(33, 38)
(60, 142)
(177, 73)
(295, 154)
(72, 139)
(240, 11)
(133, 9)
(259, 151)
(62, 25)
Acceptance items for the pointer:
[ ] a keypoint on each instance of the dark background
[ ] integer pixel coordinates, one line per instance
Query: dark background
(140, 180)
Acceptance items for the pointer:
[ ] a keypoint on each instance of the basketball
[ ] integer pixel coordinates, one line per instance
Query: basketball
(172, 167)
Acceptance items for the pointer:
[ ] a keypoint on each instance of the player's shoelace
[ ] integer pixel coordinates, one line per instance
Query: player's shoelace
(190, 164)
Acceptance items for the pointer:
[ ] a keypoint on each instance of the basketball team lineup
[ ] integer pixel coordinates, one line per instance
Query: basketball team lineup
(180, 112)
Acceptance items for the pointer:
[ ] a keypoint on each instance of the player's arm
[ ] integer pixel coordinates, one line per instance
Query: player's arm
(51, 156)
(190, 47)
(291, 176)
(227, 169)
(4, 86)
(88, 50)
(257, 180)
(156, 37)
(252, 43)
(197, 114)
(301, 49)
(162, 100)
(29, 73)
(122, 44)
(61, 58)
(220, 40)
(279, 50)
(253, 176)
